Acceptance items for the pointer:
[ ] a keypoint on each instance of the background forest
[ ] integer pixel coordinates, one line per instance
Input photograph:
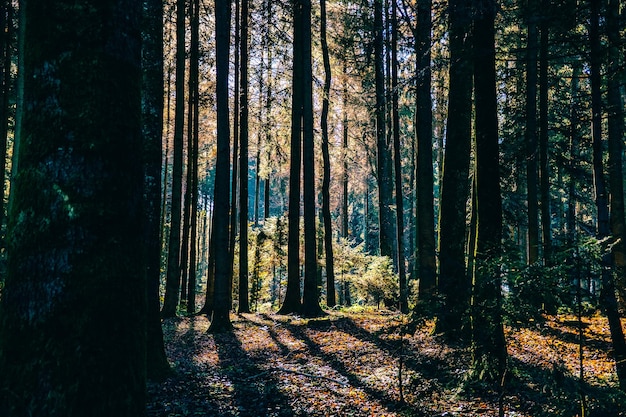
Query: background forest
(459, 163)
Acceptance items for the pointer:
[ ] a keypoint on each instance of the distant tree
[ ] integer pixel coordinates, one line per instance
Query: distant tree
(73, 311)
(172, 285)
(152, 123)
(454, 286)
(220, 320)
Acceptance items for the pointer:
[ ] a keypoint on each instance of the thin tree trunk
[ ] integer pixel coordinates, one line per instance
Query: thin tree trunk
(172, 286)
(244, 302)
(328, 231)
(194, 109)
(383, 167)
(6, 41)
(544, 161)
(531, 134)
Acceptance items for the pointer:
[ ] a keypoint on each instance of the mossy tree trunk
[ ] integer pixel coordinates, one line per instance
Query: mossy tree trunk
(73, 312)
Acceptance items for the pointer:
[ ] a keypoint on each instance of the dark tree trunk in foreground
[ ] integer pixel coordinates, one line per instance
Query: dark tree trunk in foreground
(426, 263)
(73, 311)
(328, 230)
(152, 123)
(454, 287)
(244, 304)
(488, 345)
(310, 295)
(172, 285)
(609, 301)
(220, 320)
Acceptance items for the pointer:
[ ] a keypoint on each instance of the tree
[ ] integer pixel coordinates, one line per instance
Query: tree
(531, 133)
(220, 320)
(172, 286)
(454, 287)
(544, 161)
(244, 305)
(328, 231)
(310, 294)
(426, 262)
(609, 302)
(73, 311)
(152, 123)
(488, 345)
(387, 235)
(6, 56)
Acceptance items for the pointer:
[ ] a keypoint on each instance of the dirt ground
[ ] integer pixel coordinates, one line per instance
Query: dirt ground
(357, 364)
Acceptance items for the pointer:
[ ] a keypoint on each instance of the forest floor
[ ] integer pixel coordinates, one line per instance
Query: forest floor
(347, 364)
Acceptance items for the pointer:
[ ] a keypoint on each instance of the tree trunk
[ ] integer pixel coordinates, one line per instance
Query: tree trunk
(292, 302)
(383, 168)
(531, 134)
(395, 117)
(73, 309)
(194, 110)
(488, 344)
(454, 287)
(310, 295)
(426, 262)
(172, 286)
(6, 56)
(328, 231)
(220, 320)
(609, 301)
(152, 122)
(244, 304)
(544, 161)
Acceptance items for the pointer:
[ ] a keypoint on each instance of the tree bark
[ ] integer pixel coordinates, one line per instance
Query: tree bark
(426, 262)
(244, 303)
(152, 122)
(220, 320)
(454, 287)
(531, 134)
(73, 309)
(328, 231)
(488, 344)
(172, 286)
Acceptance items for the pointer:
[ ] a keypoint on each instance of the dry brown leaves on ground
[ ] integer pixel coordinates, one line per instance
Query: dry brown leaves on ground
(359, 365)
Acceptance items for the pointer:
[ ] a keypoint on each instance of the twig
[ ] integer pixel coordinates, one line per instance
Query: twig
(291, 371)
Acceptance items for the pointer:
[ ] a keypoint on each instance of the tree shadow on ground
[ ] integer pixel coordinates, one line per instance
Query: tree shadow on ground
(545, 392)
(255, 391)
